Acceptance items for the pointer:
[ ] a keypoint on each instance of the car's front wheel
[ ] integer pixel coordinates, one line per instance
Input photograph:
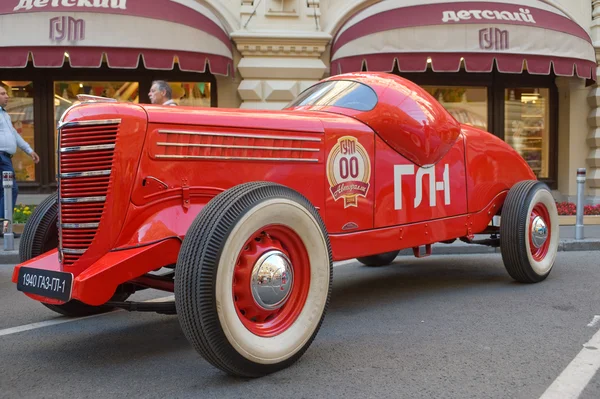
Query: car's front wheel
(253, 279)
(529, 232)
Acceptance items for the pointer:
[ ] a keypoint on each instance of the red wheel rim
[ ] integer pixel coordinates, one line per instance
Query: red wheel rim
(260, 321)
(539, 212)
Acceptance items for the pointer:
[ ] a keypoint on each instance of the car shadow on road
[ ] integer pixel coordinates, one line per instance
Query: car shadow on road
(408, 278)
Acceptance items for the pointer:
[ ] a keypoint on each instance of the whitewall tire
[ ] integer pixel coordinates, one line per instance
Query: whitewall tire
(253, 279)
(529, 232)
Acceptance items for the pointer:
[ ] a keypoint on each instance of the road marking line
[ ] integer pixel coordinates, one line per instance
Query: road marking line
(594, 321)
(344, 262)
(573, 380)
(41, 324)
(163, 299)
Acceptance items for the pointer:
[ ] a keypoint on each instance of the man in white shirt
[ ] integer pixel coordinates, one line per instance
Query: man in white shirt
(161, 93)
(9, 140)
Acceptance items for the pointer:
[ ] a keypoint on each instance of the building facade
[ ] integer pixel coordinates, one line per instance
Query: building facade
(525, 70)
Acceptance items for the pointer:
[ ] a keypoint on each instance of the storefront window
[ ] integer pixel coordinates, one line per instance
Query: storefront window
(193, 94)
(65, 95)
(469, 105)
(20, 109)
(526, 124)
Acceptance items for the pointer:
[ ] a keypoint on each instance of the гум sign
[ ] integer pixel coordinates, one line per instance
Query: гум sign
(68, 28)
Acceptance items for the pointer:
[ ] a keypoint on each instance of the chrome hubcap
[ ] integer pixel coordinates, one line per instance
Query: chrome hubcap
(272, 279)
(539, 232)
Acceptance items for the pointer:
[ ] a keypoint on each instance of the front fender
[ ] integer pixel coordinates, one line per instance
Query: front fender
(168, 216)
(98, 283)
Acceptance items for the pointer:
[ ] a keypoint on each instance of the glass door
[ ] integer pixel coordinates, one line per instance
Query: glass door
(526, 126)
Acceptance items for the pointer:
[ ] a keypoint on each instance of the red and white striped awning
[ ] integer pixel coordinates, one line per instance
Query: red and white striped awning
(85, 33)
(515, 34)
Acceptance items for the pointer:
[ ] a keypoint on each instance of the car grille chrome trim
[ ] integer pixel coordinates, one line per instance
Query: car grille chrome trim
(89, 123)
(82, 200)
(85, 174)
(73, 251)
(85, 151)
(88, 148)
(79, 225)
(241, 135)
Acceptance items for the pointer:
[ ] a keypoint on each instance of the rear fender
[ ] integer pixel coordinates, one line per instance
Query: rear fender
(492, 166)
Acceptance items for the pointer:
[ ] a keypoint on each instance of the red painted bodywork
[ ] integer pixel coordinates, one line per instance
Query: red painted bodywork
(387, 156)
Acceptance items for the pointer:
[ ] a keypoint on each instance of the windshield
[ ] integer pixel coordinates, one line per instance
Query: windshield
(338, 93)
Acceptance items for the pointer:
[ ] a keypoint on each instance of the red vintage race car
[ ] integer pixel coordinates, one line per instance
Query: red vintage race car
(241, 213)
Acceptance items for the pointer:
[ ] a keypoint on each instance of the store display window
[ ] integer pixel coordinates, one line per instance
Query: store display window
(20, 108)
(526, 126)
(65, 95)
(193, 94)
(469, 105)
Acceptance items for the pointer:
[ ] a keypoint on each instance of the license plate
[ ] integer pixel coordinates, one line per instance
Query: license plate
(47, 283)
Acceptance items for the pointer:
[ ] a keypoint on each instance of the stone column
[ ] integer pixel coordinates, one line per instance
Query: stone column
(593, 139)
(281, 44)
(595, 9)
(572, 132)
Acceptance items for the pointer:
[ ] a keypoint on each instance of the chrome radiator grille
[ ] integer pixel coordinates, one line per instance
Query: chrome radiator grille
(86, 151)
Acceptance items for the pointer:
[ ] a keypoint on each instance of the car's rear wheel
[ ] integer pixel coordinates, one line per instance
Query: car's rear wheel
(253, 279)
(383, 259)
(40, 235)
(529, 232)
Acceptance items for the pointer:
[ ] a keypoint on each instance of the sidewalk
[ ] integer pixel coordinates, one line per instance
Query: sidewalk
(590, 242)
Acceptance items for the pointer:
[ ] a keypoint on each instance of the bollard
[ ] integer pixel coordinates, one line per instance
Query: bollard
(7, 184)
(580, 191)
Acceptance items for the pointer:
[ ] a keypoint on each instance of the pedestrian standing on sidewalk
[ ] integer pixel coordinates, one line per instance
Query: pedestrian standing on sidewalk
(10, 139)
(161, 93)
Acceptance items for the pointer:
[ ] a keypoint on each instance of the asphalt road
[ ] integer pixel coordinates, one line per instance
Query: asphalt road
(439, 327)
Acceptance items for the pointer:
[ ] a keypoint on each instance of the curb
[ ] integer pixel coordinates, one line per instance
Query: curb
(9, 257)
(590, 244)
